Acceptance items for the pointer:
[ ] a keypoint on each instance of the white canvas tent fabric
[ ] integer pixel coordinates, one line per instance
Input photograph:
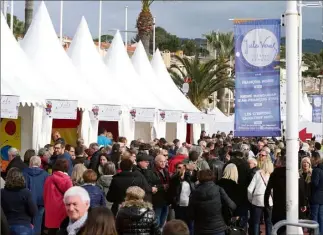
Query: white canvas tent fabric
(147, 75)
(88, 61)
(219, 116)
(308, 108)
(122, 70)
(42, 46)
(164, 82)
(27, 83)
(17, 71)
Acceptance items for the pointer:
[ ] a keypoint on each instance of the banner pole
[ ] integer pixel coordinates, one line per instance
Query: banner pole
(292, 175)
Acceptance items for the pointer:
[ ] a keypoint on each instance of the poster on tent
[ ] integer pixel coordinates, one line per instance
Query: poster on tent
(9, 106)
(110, 113)
(257, 82)
(143, 114)
(170, 116)
(317, 108)
(61, 109)
(193, 118)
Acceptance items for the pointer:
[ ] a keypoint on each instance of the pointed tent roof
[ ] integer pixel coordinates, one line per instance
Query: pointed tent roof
(42, 46)
(120, 65)
(220, 117)
(86, 58)
(17, 71)
(166, 81)
(147, 75)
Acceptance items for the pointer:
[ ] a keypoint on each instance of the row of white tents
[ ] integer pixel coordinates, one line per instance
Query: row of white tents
(138, 94)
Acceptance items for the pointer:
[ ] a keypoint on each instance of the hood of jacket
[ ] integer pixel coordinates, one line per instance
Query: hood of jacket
(33, 171)
(58, 177)
(105, 180)
(320, 166)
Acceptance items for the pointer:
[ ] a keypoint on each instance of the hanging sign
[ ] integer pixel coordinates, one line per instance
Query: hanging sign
(317, 108)
(194, 118)
(94, 114)
(170, 116)
(9, 106)
(61, 109)
(110, 113)
(143, 114)
(257, 82)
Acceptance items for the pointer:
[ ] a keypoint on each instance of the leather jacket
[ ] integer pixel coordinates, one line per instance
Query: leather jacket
(136, 217)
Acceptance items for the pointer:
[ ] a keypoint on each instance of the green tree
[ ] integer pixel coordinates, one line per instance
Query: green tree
(314, 63)
(189, 47)
(18, 26)
(223, 44)
(145, 23)
(207, 78)
(105, 38)
(29, 10)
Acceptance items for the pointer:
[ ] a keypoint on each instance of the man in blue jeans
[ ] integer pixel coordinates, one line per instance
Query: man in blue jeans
(35, 179)
(161, 182)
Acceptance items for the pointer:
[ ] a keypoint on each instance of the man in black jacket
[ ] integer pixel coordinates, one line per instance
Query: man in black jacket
(15, 160)
(122, 181)
(216, 165)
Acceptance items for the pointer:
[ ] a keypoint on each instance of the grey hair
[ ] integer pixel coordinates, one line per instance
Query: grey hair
(198, 149)
(13, 151)
(35, 161)
(182, 151)
(266, 149)
(244, 147)
(253, 160)
(77, 191)
(43, 152)
(202, 143)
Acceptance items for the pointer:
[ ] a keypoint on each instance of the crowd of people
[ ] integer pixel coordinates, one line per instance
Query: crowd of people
(109, 188)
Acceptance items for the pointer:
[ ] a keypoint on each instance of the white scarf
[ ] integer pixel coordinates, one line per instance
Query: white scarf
(73, 228)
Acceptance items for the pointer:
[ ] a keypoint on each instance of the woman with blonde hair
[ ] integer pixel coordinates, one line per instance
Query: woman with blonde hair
(306, 173)
(135, 215)
(262, 157)
(77, 174)
(256, 192)
(229, 182)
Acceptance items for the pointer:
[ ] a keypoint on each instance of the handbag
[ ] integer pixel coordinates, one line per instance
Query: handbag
(234, 229)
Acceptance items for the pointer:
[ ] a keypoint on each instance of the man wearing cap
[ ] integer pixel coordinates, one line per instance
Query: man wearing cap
(143, 159)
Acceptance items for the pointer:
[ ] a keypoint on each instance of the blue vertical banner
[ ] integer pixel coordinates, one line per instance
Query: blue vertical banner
(257, 83)
(317, 108)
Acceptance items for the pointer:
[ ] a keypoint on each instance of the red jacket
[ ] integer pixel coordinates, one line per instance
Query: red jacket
(172, 163)
(55, 187)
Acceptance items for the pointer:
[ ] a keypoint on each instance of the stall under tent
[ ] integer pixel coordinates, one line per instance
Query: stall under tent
(142, 104)
(166, 83)
(43, 47)
(173, 111)
(88, 61)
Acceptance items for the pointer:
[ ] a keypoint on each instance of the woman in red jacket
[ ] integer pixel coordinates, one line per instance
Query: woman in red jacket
(55, 187)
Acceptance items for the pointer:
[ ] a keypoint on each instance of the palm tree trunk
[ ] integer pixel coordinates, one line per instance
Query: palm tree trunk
(221, 97)
(29, 9)
(145, 39)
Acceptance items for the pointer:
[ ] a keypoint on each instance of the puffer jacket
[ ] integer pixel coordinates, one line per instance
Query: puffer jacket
(96, 195)
(137, 217)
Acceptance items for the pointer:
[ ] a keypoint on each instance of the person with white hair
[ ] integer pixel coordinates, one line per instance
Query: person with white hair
(77, 203)
(253, 168)
(35, 178)
(15, 160)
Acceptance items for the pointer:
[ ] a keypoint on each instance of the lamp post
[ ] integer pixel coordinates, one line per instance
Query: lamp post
(301, 4)
(292, 175)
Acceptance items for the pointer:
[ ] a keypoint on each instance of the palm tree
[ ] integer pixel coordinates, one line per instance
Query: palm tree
(145, 23)
(206, 78)
(18, 26)
(29, 9)
(223, 44)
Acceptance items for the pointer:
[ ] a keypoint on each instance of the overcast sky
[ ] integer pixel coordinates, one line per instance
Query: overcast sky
(188, 19)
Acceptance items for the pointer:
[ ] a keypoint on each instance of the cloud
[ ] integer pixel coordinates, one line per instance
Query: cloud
(184, 18)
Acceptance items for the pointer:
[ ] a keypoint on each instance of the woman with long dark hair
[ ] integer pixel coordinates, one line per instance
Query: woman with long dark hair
(17, 203)
(116, 155)
(100, 221)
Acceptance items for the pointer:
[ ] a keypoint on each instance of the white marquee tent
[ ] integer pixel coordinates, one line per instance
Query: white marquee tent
(166, 83)
(138, 93)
